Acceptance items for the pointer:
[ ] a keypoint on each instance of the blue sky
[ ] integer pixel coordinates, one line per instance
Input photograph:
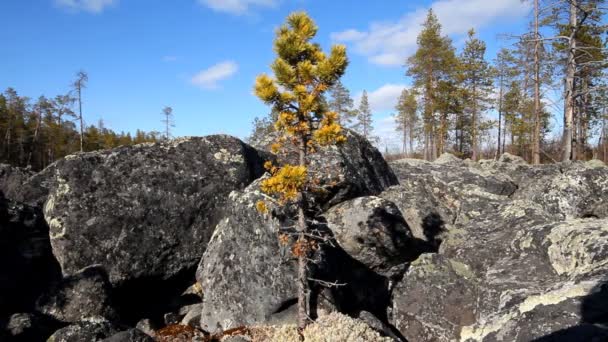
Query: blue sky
(201, 56)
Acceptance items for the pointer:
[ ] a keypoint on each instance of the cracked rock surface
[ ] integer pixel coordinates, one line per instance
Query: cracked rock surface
(521, 251)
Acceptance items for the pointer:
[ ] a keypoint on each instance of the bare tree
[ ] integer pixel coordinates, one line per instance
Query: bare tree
(168, 121)
(81, 82)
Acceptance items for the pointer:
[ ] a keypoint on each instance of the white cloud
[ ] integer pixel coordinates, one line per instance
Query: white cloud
(384, 98)
(92, 6)
(390, 43)
(209, 78)
(237, 7)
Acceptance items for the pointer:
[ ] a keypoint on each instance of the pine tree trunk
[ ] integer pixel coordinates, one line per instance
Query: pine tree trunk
(536, 133)
(497, 155)
(411, 134)
(80, 117)
(303, 289)
(404, 138)
(474, 125)
(568, 142)
(35, 139)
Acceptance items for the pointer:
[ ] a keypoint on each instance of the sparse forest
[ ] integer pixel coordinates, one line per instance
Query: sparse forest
(542, 97)
(565, 52)
(35, 133)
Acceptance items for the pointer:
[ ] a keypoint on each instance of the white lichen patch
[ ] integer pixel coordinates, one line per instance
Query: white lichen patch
(56, 228)
(329, 328)
(578, 246)
(226, 157)
(496, 323)
(556, 296)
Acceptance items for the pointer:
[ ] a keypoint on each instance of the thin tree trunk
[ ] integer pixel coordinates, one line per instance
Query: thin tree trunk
(35, 139)
(569, 153)
(411, 134)
(474, 125)
(497, 155)
(536, 133)
(303, 288)
(404, 138)
(80, 118)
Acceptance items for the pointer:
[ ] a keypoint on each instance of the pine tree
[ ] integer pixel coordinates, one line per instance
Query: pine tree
(433, 61)
(168, 121)
(81, 82)
(506, 72)
(407, 118)
(302, 74)
(341, 103)
(477, 83)
(364, 118)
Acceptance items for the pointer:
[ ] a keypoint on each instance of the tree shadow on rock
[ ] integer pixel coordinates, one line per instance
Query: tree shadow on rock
(355, 288)
(594, 319)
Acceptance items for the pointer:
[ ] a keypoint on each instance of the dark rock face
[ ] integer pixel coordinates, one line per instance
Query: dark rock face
(27, 327)
(23, 185)
(27, 265)
(518, 259)
(93, 329)
(373, 231)
(146, 210)
(246, 274)
(84, 294)
(12, 179)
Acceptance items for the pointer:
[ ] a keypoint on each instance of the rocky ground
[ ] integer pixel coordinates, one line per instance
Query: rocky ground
(163, 242)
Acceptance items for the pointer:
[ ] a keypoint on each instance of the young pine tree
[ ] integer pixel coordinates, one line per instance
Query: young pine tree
(477, 82)
(364, 117)
(506, 72)
(433, 62)
(302, 74)
(406, 118)
(341, 103)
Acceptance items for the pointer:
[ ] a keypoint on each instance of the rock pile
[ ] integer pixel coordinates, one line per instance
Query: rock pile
(164, 240)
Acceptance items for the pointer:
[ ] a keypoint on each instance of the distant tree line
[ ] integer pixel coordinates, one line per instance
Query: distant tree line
(36, 133)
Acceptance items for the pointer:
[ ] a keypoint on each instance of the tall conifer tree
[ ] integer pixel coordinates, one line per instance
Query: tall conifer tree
(477, 83)
(433, 61)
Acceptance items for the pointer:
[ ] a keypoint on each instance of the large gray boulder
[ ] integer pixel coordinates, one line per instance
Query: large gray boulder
(372, 231)
(518, 256)
(85, 294)
(246, 275)
(146, 210)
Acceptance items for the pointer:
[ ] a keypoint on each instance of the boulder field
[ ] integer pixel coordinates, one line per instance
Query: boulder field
(164, 242)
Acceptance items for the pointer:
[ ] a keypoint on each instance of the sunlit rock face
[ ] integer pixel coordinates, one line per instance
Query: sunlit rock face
(146, 210)
(521, 253)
